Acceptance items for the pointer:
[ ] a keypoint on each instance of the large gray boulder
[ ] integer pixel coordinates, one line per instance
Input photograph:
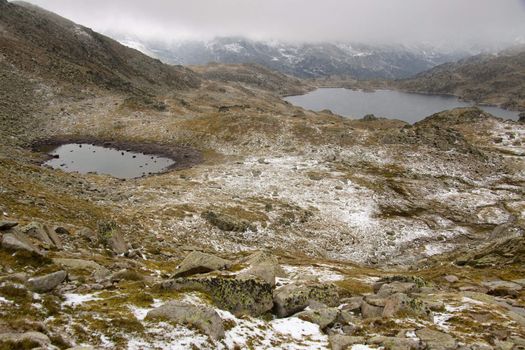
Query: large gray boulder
(198, 262)
(240, 296)
(204, 318)
(296, 297)
(98, 271)
(46, 283)
(19, 242)
(436, 340)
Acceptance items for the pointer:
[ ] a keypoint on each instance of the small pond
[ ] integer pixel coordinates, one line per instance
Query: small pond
(408, 107)
(87, 158)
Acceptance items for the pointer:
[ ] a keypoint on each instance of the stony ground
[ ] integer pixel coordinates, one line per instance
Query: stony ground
(374, 233)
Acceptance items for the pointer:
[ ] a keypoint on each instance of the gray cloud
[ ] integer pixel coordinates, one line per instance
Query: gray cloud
(442, 22)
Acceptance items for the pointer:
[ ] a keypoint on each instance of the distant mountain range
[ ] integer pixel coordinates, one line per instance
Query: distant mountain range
(309, 60)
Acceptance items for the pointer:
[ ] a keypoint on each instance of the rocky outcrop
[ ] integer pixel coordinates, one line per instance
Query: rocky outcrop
(197, 262)
(46, 283)
(204, 318)
(240, 296)
(296, 297)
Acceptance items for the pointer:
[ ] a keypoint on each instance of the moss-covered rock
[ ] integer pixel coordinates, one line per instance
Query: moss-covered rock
(240, 296)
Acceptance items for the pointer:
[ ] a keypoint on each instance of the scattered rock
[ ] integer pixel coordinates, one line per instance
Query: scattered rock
(323, 317)
(240, 296)
(204, 318)
(46, 283)
(7, 224)
(197, 262)
(436, 340)
(296, 297)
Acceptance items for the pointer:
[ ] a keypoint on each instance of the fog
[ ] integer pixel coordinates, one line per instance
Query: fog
(438, 22)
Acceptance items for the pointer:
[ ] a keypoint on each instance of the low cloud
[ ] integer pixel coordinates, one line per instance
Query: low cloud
(438, 22)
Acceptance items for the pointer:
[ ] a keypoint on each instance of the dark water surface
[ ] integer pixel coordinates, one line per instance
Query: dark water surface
(409, 107)
(86, 158)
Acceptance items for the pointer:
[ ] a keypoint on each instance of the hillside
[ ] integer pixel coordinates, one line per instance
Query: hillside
(491, 79)
(50, 47)
(253, 75)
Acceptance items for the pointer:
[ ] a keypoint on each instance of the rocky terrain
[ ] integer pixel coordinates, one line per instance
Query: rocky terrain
(291, 229)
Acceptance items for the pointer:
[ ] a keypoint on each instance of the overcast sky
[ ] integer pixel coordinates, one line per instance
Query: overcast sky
(399, 21)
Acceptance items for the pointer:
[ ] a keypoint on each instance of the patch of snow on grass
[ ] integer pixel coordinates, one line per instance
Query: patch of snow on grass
(288, 333)
(74, 299)
(5, 301)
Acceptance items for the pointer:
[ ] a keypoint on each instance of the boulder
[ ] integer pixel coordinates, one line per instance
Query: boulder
(451, 278)
(341, 342)
(266, 258)
(26, 340)
(502, 288)
(436, 340)
(204, 318)
(352, 304)
(57, 242)
(38, 231)
(240, 296)
(265, 272)
(323, 317)
(18, 242)
(117, 243)
(397, 287)
(371, 311)
(88, 234)
(198, 262)
(396, 303)
(295, 297)
(7, 224)
(46, 283)
(99, 272)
